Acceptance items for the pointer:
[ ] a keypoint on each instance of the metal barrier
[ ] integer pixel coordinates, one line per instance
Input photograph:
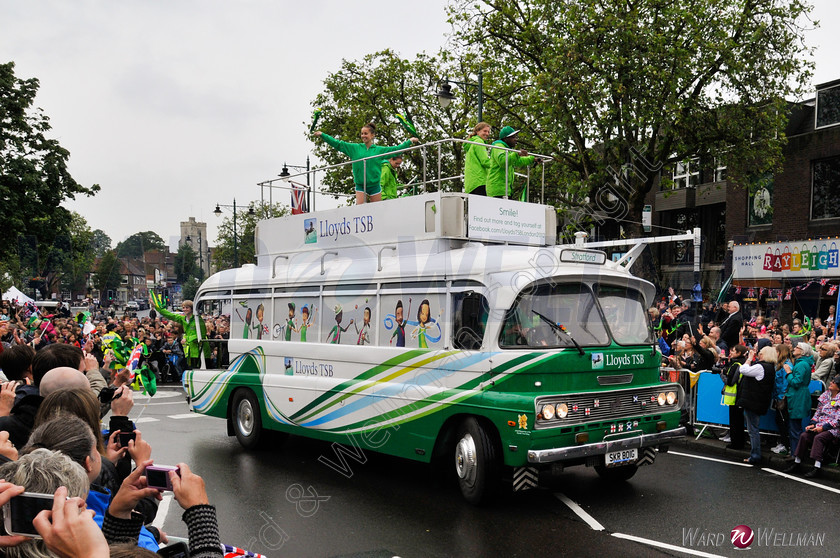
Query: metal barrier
(427, 178)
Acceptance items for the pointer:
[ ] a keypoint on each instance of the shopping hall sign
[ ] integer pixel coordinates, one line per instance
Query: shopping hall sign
(787, 260)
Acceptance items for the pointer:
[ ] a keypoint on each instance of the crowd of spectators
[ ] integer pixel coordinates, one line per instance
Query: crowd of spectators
(765, 364)
(60, 378)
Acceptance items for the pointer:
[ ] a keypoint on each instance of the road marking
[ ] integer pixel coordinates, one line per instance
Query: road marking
(186, 416)
(666, 545)
(803, 481)
(158, 395)
(146, 419)
(163, 508)
(581, 513)
(710, 459)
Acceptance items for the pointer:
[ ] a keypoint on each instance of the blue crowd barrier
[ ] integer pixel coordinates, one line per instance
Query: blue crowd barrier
(711, 410)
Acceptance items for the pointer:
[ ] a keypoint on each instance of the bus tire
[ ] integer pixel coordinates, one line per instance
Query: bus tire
(476, 462)
(616, 474)
(246, 418)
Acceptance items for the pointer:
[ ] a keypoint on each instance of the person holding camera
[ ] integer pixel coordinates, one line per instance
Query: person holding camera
(754, 393)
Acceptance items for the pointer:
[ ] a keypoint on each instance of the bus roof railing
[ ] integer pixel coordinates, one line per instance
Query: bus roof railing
(295, 182)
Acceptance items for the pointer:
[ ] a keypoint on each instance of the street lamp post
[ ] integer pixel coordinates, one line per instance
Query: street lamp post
(285, 174)
(445, 95)
(218, 212)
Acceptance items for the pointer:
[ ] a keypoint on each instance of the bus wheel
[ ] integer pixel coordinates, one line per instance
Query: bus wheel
(616, 474)
(247, 423)
(476, 462)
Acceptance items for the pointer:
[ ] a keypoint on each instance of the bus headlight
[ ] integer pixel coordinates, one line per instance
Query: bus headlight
(562, 410)
(671, 398)
(548, 412)
(661, 399)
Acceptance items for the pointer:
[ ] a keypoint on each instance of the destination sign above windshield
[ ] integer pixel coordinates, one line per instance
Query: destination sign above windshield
(595, 257)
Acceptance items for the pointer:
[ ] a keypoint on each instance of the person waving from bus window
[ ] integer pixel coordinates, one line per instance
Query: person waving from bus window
(477, 161)
(503, 162)
(366, 174)
(191, 324)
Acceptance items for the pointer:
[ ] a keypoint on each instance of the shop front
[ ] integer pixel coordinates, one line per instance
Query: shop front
(781, 278)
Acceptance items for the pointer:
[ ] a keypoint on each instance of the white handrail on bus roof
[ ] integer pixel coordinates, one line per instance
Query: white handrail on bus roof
(424, 182)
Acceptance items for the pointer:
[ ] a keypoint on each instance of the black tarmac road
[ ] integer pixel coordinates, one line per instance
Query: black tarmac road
(290, 502)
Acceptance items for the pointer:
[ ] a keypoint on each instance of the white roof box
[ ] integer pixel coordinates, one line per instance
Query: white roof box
(439, 215)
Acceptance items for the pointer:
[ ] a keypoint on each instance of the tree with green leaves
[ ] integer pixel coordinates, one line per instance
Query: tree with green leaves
(617, 90)
(246, 224)
(107, 275)
(34, 180)
(135, 245)
(100, 242)
(186, 264)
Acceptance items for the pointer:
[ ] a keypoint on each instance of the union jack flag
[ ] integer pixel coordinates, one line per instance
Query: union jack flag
(750, 292)
(832, 290)
(823, 282)
(788, 294)
(299, 200)
(134, 359)
(232, 551)
(737, 290)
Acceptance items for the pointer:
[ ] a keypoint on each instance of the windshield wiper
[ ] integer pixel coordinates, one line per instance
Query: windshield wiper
(558, 329)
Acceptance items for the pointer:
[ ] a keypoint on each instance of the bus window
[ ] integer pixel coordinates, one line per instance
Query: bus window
(216, 316)
(251, 318)
(624, 310)
(531, 321)
(413, 320)
(349, 319)
(296, 319)
(469, 311)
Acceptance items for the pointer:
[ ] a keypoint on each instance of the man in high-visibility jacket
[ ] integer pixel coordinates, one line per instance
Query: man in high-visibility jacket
(731, 376)
(191, 324)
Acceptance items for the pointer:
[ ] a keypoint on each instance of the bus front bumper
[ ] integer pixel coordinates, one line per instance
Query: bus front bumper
(605, 446)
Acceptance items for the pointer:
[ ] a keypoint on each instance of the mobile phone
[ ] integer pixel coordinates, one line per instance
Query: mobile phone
(125, 437)
(19, 512)
(175, 550)
(157, 476)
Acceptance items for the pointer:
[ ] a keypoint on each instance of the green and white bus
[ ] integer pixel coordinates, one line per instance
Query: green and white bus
(441, 327)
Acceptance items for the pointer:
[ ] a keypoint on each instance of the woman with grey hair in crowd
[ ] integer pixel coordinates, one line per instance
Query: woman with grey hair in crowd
(798, 395)
(824, 364)
(45, 471)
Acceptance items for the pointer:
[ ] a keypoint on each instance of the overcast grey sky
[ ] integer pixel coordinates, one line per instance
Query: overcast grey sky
(173, 106)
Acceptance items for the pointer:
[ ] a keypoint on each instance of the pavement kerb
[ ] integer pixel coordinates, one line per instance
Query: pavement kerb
(715, 447)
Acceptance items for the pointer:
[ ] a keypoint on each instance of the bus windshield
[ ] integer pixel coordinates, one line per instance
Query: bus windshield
(568, 315)
(549, 316)
(624, 310)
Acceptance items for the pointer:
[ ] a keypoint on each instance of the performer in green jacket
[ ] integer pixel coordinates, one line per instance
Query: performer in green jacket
(366, 174)
(191, 324)
(389, 177)
(499, 182)
(477, 161)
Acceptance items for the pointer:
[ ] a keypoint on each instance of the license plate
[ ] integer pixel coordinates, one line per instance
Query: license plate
(623, 457)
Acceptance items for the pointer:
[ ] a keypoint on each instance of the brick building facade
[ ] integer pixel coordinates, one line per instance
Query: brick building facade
(797, 205)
